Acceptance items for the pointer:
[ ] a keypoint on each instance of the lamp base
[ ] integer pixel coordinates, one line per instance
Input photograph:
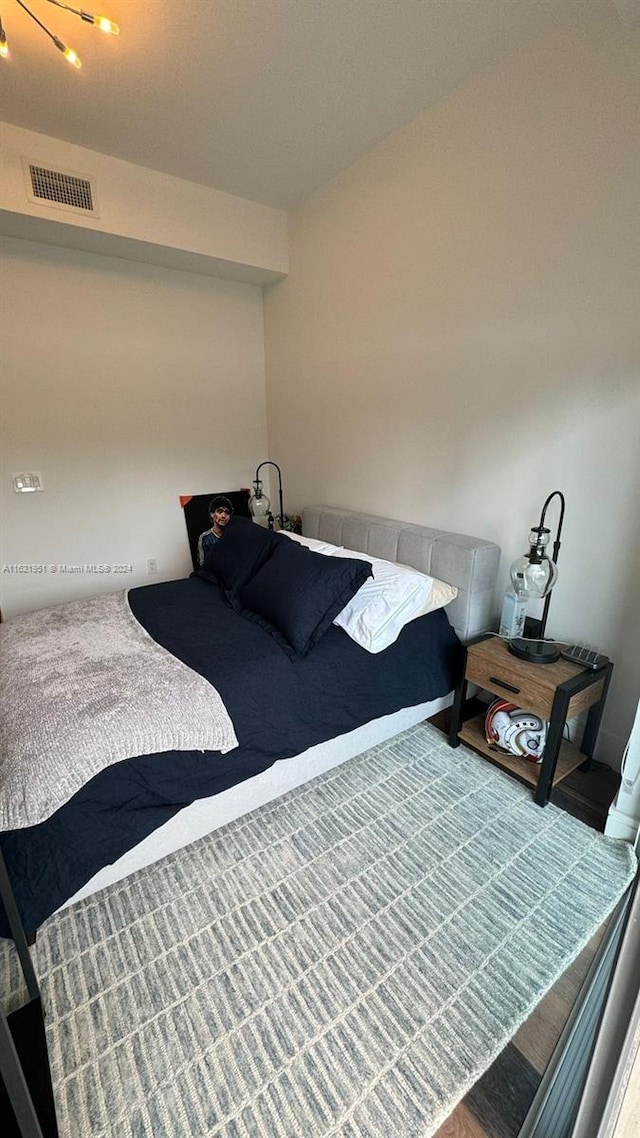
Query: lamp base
(535, 651)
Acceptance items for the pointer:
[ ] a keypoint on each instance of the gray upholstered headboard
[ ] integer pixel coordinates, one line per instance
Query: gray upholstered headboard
(469, 563)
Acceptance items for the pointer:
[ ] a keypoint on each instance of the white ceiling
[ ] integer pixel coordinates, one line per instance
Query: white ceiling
(267, 99)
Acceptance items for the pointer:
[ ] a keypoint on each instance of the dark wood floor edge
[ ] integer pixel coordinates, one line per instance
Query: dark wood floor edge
(501, 1098)
(557, 1100)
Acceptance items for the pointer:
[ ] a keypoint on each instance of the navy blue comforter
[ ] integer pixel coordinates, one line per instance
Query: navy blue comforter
(279, 708)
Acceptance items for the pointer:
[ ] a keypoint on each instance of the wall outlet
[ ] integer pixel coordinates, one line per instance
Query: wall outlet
(152, 566)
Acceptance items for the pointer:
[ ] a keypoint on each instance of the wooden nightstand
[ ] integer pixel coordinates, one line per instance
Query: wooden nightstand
(555, 692)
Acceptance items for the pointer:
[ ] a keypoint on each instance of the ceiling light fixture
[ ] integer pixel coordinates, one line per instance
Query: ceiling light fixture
(102, 22)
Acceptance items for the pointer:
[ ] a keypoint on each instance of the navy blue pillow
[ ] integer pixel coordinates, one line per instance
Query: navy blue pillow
(299, 592)
(241, 551)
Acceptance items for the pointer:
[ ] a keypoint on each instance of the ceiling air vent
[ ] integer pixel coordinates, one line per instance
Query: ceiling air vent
(60, 188)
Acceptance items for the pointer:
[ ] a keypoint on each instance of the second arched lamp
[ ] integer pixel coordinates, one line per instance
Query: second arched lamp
(259, 503)
(533, 576)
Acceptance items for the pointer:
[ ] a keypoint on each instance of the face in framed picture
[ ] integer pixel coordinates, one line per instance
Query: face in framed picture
(207, 517)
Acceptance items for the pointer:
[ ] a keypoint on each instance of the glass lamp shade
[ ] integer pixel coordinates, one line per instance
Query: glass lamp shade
(534, 574)
(259, 504)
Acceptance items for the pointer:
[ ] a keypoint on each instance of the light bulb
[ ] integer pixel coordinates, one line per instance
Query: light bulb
(71, 56)
(534, 574)
(68, 52)
(107, 25)
(4, 47)
(260, 506)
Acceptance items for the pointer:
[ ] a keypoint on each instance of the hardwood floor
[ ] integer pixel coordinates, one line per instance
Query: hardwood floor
(498, 1103)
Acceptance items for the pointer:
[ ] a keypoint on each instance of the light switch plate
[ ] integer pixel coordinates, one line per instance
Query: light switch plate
(27, 483)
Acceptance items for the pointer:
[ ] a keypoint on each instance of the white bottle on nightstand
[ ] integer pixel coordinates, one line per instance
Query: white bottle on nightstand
(514, 611)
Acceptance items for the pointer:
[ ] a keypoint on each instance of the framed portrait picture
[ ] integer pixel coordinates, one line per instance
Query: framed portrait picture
(197, 514)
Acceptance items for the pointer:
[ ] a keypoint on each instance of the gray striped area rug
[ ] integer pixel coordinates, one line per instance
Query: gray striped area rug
(347, 960)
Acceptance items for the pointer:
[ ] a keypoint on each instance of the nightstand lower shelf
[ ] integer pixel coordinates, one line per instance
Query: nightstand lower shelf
(472, 733)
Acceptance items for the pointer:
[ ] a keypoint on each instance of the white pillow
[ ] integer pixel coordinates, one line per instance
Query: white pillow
(311, 543)
(395, 595)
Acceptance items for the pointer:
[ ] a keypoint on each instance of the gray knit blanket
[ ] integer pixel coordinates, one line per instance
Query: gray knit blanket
(84, 686)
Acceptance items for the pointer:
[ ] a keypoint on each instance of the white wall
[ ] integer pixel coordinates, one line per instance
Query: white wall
(125, 386)
(458, 334)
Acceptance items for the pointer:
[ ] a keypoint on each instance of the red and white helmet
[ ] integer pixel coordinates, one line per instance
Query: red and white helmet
(515, 730)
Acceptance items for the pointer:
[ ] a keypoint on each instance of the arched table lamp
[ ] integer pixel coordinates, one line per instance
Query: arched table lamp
(533, 576)
(259, 504)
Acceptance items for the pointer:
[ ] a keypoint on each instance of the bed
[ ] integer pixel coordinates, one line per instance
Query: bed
(295, 715)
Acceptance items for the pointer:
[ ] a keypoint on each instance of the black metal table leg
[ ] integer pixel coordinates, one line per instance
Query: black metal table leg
(592, 725)
(15, 1085)
(27, 1107)
(17, 931)
(555, 731)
